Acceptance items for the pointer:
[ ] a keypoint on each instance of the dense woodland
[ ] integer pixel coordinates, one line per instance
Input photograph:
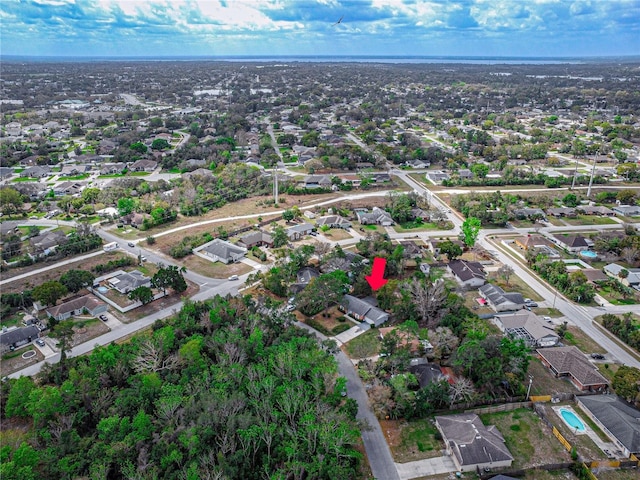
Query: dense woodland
(225, 389)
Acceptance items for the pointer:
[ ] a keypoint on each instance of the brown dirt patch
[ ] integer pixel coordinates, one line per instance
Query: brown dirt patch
(16, 362)
(392, 432)
(214, 269)
(89, 330)
(161, 303)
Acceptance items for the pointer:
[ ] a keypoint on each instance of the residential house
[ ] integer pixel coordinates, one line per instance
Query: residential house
(528, 242)
(296, 232)
(528, 213)
(381, 177)
(415, 163)
(437, 176)
(143, 166)
(344, 262)
(223, 251)
(303, 277)
(17, 337)
(78, 306)
(627, 210)
(125, 282)
(570, 362)
(595, 210)
(134, 219)
(573, 243)
(499, 300)
(309, 214)
(72, 170)
(69, 188)
(527, 326)
(365, 310)
(38, 171)
(594, 275)
(471, 445)
(350, 179)
(5, 172)
(616, 418)
(468, 274)
(419, 214)
(334, 221)
(106, 146)
(562, 212)
(112, 168)
(317, 181)
(465, 174)
(632, 278)
(411, 249)
(198, 172)
(426, 373)
(256, 239)
(46, 244)
(31, 190)
(377, 216)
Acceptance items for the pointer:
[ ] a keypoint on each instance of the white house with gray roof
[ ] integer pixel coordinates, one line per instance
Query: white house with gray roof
(223, 251)
(127, 281)
(471, 445)
(365, 310)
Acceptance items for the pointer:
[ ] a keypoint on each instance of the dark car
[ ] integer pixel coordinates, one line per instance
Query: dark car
(103, 318)
(131, 244)
(597, 356)
(531, 304)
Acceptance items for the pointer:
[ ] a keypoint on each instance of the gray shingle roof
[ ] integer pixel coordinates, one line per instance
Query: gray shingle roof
(471, 442)
(621, 419)
(19, 334)
(571, 361)
(466, 270)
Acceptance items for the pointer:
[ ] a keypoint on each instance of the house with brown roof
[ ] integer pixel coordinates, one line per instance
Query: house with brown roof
(572, 243)
(256, 239)
(77, 306)
(143, 166)
(527, 242)
(595, 210)
(471, 445)
(562, 212)
(570, 362)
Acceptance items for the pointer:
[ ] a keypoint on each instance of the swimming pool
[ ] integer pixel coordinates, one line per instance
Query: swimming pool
(572, 420)
(103, 289)
(588, 254)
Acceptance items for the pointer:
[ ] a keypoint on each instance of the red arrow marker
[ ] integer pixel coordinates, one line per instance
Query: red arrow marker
(376, 279)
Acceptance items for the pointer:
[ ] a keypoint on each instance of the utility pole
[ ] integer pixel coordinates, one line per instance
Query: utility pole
(275, 186)
(529, 389)
(593, 171)
(575, 173)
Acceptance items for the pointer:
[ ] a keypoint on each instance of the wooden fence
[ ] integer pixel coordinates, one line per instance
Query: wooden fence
(540, 398)
(505, 407)
(563, 440)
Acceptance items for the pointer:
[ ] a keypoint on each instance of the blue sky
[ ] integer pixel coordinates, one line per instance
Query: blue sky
(530, 28)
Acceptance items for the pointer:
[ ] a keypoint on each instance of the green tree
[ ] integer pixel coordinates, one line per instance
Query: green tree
(138, 147)
(471, 229)
(76, 280)
(570, 200)
(288, 215)
(49, 292)
(63, 332)
(279, 236)
(90, 195)
(160, 144)
(126, 205)
(169, 277)
(142, 293)
(10, 201)
(626, 383)
(18, 396)
(450, 249)
(480, 170)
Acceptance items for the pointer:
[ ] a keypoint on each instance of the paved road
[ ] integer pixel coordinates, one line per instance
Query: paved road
(375, 444)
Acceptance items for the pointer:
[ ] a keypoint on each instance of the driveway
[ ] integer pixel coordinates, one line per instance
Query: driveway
(426, 468)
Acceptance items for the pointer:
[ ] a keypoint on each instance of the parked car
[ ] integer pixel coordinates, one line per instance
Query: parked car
(131, 244)
(233, 277)
(547, 319)
(103, 318)
(40, 342)
(531, 304)
(597, 356)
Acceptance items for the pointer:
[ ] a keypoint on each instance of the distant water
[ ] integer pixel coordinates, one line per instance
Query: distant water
(488, 60)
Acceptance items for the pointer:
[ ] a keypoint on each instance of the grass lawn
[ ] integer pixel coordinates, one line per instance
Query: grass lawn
(411, 440)
(544, 383)
(522, 431)
(589, 220)
(25, 179)
(138, 174)
(78, 177)
(516, 284)
(330, 325)
(575, 336)
(114, 175)
(548, 312)
(614, 297)
(421, 226)
(336, 234)
(214, 269)
(365, 345)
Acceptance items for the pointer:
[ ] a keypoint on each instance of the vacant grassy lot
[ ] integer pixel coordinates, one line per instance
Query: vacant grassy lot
(332, 324)
(214, 269)
(516, 284)
(575, 336)
(412, 440)
(365, 345)
(589, 220)
(336, 234)
(522, 431)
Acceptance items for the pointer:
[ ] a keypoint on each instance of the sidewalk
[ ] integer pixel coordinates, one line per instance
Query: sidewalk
(352, 333)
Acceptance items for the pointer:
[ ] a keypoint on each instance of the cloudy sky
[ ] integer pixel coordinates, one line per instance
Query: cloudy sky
(529, 28)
